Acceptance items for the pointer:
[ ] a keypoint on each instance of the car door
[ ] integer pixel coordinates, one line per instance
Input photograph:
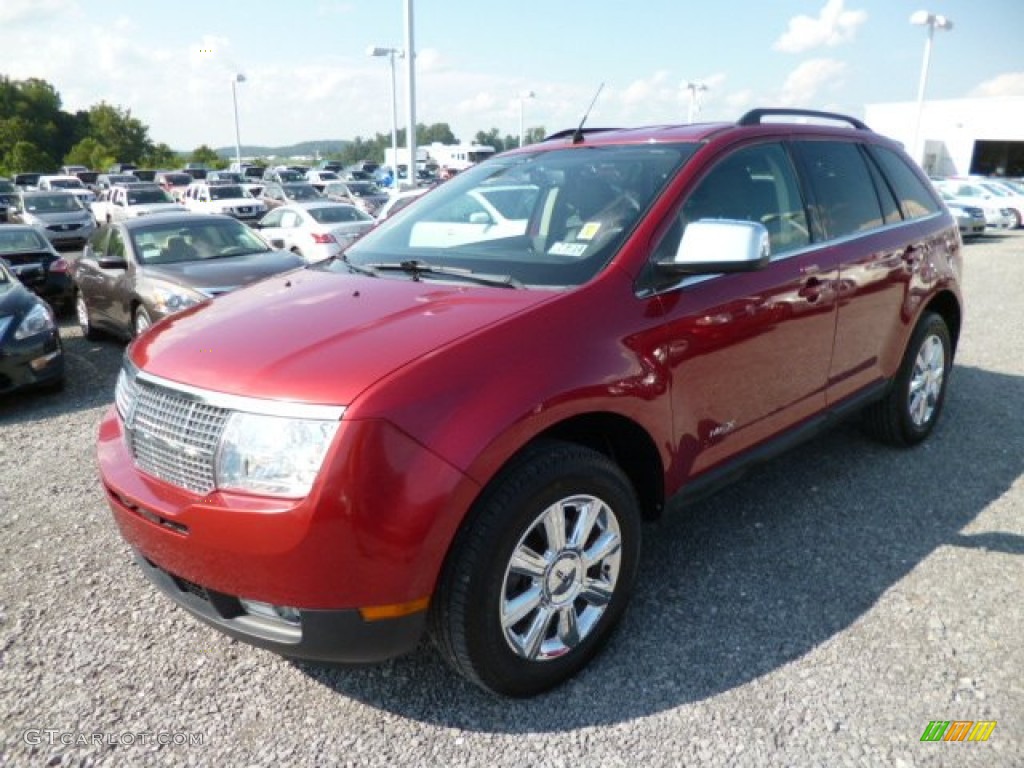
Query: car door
(872, 209)
(104, 280)
(747, 353)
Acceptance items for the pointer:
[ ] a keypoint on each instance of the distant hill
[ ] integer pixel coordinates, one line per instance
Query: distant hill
(302, 149)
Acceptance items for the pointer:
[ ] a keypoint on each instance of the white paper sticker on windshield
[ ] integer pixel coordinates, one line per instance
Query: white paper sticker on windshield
(567, 249)
(589, 230)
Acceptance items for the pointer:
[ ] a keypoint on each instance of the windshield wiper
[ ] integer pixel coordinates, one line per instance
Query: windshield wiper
(418, 268)
(362, 270)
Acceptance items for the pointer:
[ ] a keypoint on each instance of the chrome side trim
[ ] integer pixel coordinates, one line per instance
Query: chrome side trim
(284, 408)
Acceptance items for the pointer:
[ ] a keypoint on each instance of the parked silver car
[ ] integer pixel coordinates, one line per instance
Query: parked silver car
(58, 215)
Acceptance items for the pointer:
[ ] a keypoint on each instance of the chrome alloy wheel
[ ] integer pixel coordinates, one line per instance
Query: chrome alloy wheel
(561, 578)
(926, 381)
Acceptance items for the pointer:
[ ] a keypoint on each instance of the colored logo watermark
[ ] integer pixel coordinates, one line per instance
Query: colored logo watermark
(958, 730)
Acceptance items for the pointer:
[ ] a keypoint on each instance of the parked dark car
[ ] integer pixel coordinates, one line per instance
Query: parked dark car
(461, 425)
(135, 272)
(26, 182)
(34, 260)
(274, 194)
(31, 354)
(8, 198)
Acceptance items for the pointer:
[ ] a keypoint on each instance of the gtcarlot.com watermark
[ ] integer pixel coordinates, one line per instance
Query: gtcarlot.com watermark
(35, 737)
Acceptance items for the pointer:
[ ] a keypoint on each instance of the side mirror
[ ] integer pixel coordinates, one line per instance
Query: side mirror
(480, 217)
(111, 262)
(711, 246)
(277, 243)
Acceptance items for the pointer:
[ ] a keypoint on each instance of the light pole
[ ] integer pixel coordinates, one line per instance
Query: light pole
(694, 89)
(391, 53)
(410, 94)
(523, 97)
(930, 20)
(235, 79)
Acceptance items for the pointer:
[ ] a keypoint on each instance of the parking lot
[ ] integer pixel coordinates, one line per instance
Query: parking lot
(822, 611)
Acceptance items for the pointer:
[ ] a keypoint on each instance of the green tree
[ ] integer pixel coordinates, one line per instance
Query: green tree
(205, 155)
(26, 156)
(91, 154)
(160, 156)
(115, 128)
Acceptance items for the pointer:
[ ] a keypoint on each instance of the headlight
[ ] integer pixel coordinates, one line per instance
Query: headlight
(169, 299)
(38, 320)
(272, 454)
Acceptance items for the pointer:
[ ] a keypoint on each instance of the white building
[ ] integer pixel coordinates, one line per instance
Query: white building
(958, 136)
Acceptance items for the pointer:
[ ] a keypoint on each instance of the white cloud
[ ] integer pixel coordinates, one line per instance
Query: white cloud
(1008, 84)
(833, 26)
(16, 11)
(803, 83)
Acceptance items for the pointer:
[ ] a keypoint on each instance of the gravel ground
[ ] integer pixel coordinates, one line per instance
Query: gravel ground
(819, 613)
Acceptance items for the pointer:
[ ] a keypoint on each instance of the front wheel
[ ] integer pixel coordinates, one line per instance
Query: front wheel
(541, 572)
(85, 318)
(907, 414)
(141, 321)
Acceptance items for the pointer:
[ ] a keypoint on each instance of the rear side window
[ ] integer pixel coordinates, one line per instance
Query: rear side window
(845, 197)
(914, 197)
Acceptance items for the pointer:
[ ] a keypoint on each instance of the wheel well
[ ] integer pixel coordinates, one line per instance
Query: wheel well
(627, 444)
(946, 306)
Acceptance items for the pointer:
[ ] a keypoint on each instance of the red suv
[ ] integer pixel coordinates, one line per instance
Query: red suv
(460, 425)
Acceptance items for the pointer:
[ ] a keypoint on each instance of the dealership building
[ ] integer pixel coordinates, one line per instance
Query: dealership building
(958, 136)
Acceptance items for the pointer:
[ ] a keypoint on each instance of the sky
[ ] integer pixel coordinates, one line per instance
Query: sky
(308, 75)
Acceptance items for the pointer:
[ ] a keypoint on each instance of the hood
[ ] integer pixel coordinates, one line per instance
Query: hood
(15, 299)
(59, 217)
(319, 337)
(220, 275)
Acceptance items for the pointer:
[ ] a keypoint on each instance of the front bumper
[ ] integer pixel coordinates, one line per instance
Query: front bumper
(365, 539)
(340, 636)
(37, 361)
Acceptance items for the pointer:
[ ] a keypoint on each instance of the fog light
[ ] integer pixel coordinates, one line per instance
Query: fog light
(266, 610)
(41, 362)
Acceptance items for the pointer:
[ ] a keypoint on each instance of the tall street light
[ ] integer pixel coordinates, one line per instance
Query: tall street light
(932, 21)
(391, 53)
(695, 89)
(235, 79)
(523, 97)
(410, 92)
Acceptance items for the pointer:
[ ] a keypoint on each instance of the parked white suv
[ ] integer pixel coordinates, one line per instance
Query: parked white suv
(229, 199)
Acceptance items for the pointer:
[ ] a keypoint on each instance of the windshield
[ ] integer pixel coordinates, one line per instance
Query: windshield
(62, 202)
(301, 192)
(364, 188)
(6, 186)
(20, 240)
(550, 218)
(226, 192)
(66, 184)
(144, 196)
(337, 214)
(211, 238)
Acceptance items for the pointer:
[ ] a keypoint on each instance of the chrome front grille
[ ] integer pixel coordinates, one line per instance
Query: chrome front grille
(173, 437)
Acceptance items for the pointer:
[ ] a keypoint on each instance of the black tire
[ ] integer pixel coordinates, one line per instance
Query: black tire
(560, 481)
(85, 318)
(908, 412)
(140, 320)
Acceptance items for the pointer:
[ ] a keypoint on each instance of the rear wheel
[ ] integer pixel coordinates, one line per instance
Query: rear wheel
(907, 414)
(541, 573)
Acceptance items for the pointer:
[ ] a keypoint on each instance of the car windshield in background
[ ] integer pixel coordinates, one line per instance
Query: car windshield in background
(177, 179)
(62, 203)
(550, 219)
(145, 196)
(174, 242)
(363, 188)
(66, 184)
(301, 192)
(7, 187)
(289, 176)
(337, 214)
(226, 192)
(21, 240)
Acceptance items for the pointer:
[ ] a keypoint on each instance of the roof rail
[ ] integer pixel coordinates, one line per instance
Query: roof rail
(754, 116)
(573, 131)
